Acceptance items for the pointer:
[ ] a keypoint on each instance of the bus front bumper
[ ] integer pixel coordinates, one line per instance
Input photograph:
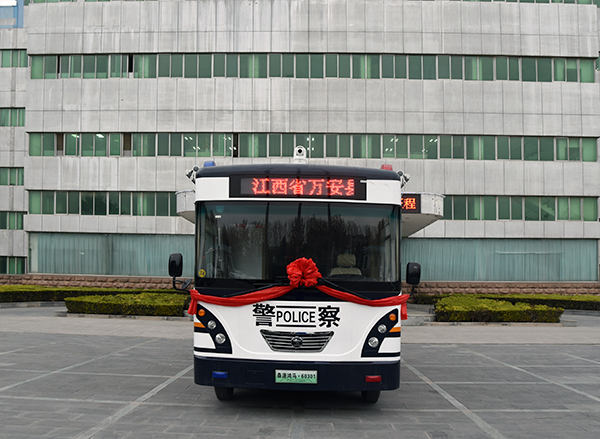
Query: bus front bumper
(251, 374)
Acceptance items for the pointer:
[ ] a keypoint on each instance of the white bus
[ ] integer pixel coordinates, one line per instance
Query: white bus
(297, 278)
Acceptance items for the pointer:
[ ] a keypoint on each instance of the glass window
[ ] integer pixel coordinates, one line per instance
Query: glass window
(87, 145)
(177, 65)
(50, 67)
(473, 208)
(544, 69)
(358, 66)
(590, 209)
(287, 64)
(260, 145)
(459, 207)
(532, 208)
(488, 207)
(431, 147)
(331, 65)
(515, 148)
(275, 65)
(149, 204)
(359, 146)
(503, 208)
(344, 66)
(387, 66)
(102, 66)
(589, 150)
(287, 145)
(5, 117)
(203, 146)
(64, 66)
(149, 65)
(374, 146)
(87, 203)
(443, 67)
(402, 147)
(488, 144)
(245, 145)
(302, 65)
(501, 68)
(164, 65)
(516, 208)
(574, 149)
(562, 208)
(503, 148)
(316, 146)
(163, 144)
(260, 65)
(100, 145)
(173, 204)
(586, 70)
(571, 70)
(575, 209)
(125, 203)
(344, 145)
(513, 69)
(547, 208)
(530, 148)
(458, 147)
(115, 144)
(175, 145)
(47, 202)
(562, 149)
(528, 69)
(47, 144)
(115, 66)
(400, 67)
(486, 68)
(246, 65)
(35, 202)
(73, 200)
(232, 65)
(447, 207)
(316, 65)
(429, 67)
(162, 204)
(7, 59)
(416, 146)
(445, 147)
(100, 203)
(4, 220)
(456, 63)
(221, 143)
(75, 66)
(473, 148)
(205, 65)
(189, 145)
(414, 67)
(331, 145)
(389, 147)
(372, 66)
(113, 203)
(89, 66)
(559, 69)
(274, 145)
(546, 149)
(190, 65)
(471, 69)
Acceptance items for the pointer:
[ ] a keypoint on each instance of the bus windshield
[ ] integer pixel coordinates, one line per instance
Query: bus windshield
(257, 240)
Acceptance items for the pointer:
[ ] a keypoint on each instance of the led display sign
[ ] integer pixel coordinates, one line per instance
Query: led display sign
(411, 203)
(298, 187)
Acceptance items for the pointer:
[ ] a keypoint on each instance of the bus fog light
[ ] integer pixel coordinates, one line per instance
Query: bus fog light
(382, 329)
(211, 324)
(373, 342)
(220, 338)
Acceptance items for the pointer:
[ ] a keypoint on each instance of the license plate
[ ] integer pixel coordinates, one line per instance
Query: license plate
(296, 376)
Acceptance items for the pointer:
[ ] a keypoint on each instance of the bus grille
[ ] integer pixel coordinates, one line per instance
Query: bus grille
(280, 341)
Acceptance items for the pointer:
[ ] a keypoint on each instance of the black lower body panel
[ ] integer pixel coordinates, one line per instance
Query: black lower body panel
(251, 374)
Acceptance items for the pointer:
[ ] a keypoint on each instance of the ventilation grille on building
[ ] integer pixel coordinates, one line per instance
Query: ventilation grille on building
(296, 341)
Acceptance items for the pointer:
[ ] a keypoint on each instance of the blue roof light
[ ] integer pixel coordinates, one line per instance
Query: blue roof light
(209, 163)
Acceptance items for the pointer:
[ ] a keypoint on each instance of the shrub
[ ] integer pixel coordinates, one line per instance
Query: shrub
(140, 304)
(469, 308)
(36, 293)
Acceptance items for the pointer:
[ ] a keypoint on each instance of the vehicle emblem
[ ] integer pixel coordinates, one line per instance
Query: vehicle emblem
(297, 342)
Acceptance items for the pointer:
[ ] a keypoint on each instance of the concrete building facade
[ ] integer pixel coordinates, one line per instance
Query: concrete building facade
(496, 105)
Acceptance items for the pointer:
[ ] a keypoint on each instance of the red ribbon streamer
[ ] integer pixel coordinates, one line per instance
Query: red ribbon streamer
(301, 272)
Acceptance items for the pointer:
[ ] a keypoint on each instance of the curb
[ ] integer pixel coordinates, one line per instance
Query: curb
(30, 304)
(64, 313)
(566, 323)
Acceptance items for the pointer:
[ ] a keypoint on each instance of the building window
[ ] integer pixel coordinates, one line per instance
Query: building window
(13, 58)
(12, 117)
(11, 220)
(12, 265)
(11, 176)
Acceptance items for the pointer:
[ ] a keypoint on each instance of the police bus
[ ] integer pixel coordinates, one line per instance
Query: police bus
(297, 278)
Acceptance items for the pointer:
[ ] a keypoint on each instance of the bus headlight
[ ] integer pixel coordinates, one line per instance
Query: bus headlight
(220, 338)
(211, 324)
(373, 342)
(381, 328)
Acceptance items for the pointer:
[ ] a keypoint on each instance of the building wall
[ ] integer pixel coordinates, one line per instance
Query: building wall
(290, 105)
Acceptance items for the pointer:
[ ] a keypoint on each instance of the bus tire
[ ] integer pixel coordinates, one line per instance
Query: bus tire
(223, 393)
(370, 396)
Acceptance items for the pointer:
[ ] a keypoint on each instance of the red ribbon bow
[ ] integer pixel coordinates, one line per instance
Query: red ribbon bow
(301, 272)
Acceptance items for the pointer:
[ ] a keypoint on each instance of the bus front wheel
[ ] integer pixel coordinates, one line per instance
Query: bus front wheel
(370, 395)
(223, 393)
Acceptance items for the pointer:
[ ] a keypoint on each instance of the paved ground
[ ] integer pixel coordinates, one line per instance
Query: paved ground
(120, 378)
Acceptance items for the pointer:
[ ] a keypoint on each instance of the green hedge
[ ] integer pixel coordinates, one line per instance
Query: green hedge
(468, 308)
(586, 302)
(35, 293)
(140, 304)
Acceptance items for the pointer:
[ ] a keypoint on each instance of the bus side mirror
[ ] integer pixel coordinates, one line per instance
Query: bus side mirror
(175, 265)
(413, 273)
